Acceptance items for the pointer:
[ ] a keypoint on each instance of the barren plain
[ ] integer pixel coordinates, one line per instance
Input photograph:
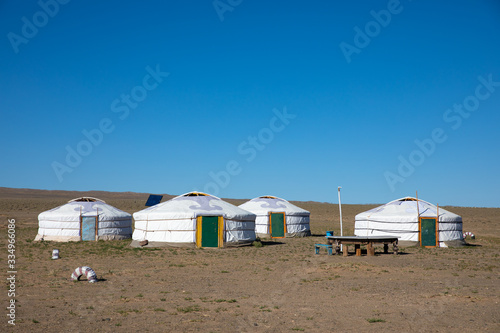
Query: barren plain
(279, 287)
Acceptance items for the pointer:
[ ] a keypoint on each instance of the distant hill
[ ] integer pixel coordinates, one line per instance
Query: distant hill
(11, 193)
(25, 204)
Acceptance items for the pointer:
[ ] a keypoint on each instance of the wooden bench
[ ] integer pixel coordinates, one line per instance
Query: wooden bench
(328, 247)
(357, 241)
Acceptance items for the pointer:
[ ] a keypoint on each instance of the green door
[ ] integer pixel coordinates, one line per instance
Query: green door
(88, 228)
(428, 232)
(277, 225)
(210, 231)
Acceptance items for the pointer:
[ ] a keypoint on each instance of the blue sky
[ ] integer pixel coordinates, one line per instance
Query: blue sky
(245, 98)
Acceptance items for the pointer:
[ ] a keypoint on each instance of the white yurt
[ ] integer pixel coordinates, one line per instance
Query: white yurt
(86, 219)
(412, 223)
(193, 219)
(278, 218)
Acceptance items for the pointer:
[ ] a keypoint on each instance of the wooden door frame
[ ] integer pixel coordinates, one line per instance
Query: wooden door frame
(420, 230)
(271, 227)
(96, 226)
(220, 236)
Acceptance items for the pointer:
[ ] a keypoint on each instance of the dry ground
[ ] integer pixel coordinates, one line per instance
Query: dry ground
(280, 287)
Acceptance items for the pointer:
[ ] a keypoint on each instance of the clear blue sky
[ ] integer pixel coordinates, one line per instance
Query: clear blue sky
(292, 98)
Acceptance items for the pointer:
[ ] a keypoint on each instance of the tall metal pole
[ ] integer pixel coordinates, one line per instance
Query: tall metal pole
(418, 221)
(340, 210)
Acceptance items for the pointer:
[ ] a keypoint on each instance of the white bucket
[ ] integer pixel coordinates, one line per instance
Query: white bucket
(55, 254)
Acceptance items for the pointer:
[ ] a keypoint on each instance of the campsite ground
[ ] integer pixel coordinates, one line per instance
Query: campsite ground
(279, 287)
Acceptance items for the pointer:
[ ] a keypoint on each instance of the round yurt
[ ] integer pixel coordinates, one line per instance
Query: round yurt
(413, 222)
(193, 219)
(278, 218)
(84, 219)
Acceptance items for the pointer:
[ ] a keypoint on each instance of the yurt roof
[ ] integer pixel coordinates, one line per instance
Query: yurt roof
(405, 209)
(191, 205)
(86, 199)
(268, 203)
(84, 206)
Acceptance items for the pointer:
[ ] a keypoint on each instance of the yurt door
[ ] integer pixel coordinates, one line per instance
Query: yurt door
(277, 225)
(209, 231)
(88, 228)
(428, 232)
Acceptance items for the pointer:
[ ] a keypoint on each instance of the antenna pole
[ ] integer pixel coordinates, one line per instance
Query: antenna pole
(418, 221)
(340, 211)
(437, 226)
(418, 211)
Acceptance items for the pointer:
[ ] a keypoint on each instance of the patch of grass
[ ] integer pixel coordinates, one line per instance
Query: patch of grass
(35, 321)
(224, 271)
(139, 295)
(375, 320)
(312, 280)
(298, 329)
(187, 309)
(159, 310)
(163, 299)
(176, 265)
(220, 300)
(257, 244)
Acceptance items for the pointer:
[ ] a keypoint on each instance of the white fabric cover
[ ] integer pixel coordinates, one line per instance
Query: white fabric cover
(62, 224)
(297, 219)
(399, 218)
(174, 221)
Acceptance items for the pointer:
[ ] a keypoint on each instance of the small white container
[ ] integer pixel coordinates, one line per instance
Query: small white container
(55, 254)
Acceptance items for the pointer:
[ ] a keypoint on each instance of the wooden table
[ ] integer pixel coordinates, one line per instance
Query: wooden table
(357, 241)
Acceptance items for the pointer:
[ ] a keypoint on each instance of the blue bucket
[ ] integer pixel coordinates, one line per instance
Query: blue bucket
(329, 233)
